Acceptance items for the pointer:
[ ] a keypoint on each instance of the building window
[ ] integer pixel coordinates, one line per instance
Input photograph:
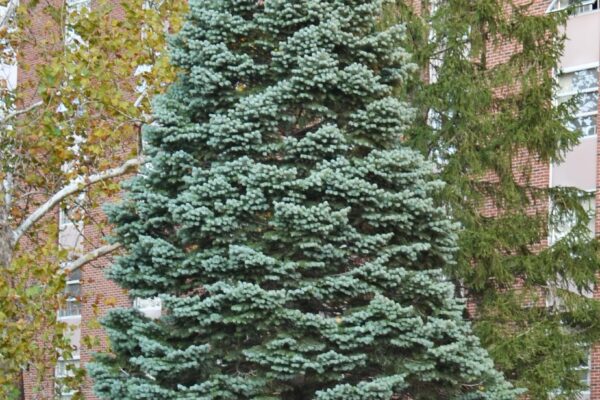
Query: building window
(584, 371)
(8, 59)
(74, 8)
(72, 307)
(584, 85)
(78, 5)
(585, 379)
(155, 4)
(65, 369)
(150, 307)
(8, 75)
(67, 366)
(563, 224)
(70, 237)
(68, 363)
(7, 11)
(579, 6)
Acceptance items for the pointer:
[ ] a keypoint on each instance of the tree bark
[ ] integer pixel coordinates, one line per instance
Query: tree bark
(6, 238)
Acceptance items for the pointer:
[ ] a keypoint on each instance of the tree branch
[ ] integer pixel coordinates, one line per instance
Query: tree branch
(22, 111)
(91, 256)
(75, 186)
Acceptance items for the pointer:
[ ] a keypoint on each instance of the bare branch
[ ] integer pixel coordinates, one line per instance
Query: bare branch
(91, 256)
(75, 186)
(22, 111)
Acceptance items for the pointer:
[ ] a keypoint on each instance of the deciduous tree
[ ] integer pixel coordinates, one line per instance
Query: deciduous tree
(68, 132)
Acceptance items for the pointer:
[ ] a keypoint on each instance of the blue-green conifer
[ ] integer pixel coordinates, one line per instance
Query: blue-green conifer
(290, 234)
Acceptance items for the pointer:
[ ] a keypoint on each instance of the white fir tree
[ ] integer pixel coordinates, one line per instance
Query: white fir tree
(291, 236)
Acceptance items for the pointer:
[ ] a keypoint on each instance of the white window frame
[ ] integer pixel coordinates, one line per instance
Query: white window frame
(9, 74)
(64, 314)
(579, 9)
(58, 375)
(72, 38)
(75, 228)
(150, 307)
(7, 11)
(152, 4)
(8, 63)
(569, 70)
(554, 238)
(586, 394)
(594, 89)
(78, 5)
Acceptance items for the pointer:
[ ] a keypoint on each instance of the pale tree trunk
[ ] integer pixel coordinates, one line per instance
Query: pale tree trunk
(6, 239)
(6, 255)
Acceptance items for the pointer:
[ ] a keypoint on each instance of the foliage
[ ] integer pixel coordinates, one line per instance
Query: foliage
(491, 127)
(290, 234)
(75, 113)
(26, 331)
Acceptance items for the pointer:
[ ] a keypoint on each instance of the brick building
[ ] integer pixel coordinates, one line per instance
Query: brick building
(579, 75)
(91, 294)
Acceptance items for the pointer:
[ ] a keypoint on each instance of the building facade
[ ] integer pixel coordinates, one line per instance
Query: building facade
(579, 76)
(91, 294)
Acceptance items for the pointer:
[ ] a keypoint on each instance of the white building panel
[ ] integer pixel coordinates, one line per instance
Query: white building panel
(579, 166)
(583, 44)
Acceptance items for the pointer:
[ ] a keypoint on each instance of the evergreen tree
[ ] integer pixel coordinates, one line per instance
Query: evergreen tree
(479, 117)
(291, 236)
